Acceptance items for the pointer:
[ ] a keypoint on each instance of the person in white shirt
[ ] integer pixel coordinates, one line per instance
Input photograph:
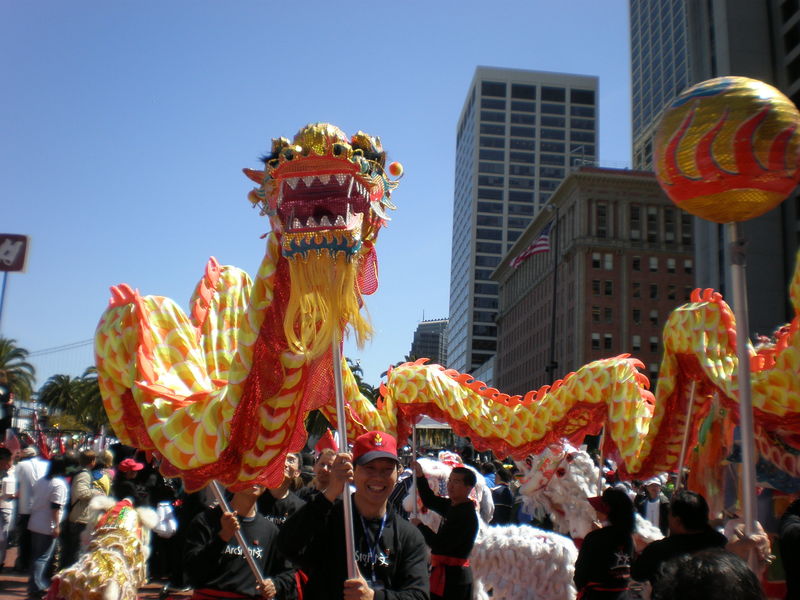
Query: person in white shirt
(50, 496)
(8, 492)
(28, 471)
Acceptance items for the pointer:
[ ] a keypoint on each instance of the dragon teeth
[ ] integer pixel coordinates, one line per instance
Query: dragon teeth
(340, 221)
(308, 180)
(341, 178)
(292, 182)
(296, 224)
(324, 222)
(325, 179)
(310, 222)
(378, 210)
(350, 189)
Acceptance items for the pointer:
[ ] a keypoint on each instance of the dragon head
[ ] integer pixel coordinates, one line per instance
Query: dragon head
(323, 191)
(326, 197)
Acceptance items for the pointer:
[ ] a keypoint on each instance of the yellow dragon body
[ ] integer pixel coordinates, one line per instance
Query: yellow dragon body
(222, 393)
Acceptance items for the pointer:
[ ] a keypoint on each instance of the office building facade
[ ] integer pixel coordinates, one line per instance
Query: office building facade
(518, 134)
(430, 341)
(681, 40)
(624, 256)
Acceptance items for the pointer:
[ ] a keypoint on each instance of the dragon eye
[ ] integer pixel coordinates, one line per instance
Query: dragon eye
(561, 472)
(273, 163)
(338, 149)
(288, 154)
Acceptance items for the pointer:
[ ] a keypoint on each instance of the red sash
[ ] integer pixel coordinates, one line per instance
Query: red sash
(438, 563)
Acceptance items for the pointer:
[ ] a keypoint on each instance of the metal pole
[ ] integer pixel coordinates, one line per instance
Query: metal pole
(215, 489)
(685, 441)
(341, 427)
(600, 460)
(739, 281)
(551, 368)
(414, 471)
(3, 296)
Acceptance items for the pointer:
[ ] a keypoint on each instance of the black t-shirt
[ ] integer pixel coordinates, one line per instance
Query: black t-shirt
(657, 553)
(456, 534)
(313, 538)
(277, 510)
(604, 563)
(210, 562)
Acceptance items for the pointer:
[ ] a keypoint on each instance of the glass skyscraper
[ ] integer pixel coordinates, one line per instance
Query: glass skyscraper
(518, 135)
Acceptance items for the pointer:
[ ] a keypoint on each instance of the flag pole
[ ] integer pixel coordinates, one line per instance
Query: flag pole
(553, 365)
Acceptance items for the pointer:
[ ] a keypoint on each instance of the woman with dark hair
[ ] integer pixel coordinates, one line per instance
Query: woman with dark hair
(603, 568)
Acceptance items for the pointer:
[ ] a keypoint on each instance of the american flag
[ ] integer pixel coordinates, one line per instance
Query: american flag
(540, 244)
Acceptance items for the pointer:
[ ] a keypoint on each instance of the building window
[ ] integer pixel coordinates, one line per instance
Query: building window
(653, 343)
(671, 292)
(595, 287)
(491, 88)
(654, 291)
(608, 288)
(595, 314)
(687, 265)
(670, 265)
(686, 229)
(524, 92)
(653, 264)
(636, 222)
(581, 96)
(595, 341)
(669, 224)
(602, 220)
(653, 370)
(608, 314)
(636, 343)
(607, 341)
(608, 262)
(636, 263)
(637, 316)
(687, 293)
(654, 317)
(637, 289)
(652, 224)
(595, 260)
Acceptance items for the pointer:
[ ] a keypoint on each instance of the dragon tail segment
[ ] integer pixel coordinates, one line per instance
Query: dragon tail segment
(516, 425)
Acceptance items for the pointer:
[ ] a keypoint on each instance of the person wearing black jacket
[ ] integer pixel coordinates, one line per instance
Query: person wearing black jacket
(789, 543)
(390, 552)
(215, 563)
(603, 568)
(451, 577)
(689, 532)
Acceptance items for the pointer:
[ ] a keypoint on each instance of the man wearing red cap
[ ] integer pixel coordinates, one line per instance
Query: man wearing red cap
(390, 552)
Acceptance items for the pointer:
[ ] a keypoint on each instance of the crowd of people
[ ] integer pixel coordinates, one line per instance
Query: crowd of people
(296, 536)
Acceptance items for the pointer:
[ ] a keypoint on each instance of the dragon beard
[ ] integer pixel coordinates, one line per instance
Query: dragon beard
(324, 299)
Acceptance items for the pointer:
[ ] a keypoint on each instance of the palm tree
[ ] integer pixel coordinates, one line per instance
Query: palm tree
(16, 374)
(78, 397)
(368, 391)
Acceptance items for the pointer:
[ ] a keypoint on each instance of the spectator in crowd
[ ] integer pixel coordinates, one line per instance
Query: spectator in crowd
(603, 568)
(712, 574)
(8, 492)
(29, 470)
(451, 576)
(322, 475)
(125, 484)
(280, 503)
(488, 471)
(789, 544)
(653, 505)
(81, 493)
(390, 552)
(689, 532)
(215, 562)
(49, 500)
(503, 498)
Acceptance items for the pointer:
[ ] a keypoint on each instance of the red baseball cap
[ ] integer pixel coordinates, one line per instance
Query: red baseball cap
(372, 445)
(130, 465)
(599, 504)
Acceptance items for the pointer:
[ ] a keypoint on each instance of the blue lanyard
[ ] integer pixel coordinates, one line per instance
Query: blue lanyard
(373, 544)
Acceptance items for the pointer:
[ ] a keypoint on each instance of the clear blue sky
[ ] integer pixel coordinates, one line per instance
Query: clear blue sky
(124, 127)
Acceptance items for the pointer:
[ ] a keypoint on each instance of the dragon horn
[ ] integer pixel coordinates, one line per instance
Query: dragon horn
(257, 176)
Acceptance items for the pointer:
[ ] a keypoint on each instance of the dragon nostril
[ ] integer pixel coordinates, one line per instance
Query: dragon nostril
(338, 149)
(288, 154)
(274, 163)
